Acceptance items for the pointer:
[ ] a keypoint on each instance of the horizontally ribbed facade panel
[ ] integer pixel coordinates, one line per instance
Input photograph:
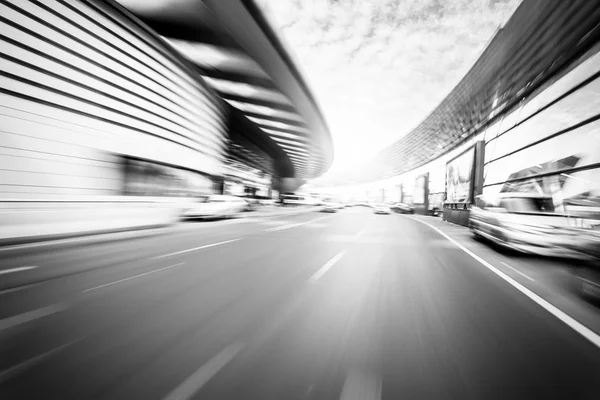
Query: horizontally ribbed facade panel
(82, 84)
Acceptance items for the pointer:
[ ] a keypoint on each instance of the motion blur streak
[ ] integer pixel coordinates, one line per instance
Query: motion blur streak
(165, 174)
(401, 315)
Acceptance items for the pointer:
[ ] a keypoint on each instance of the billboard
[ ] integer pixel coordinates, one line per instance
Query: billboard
(459, 177)
(419, 192)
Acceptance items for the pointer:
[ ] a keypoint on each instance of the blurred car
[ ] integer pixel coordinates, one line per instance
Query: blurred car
(251, 203)
(523, 222)
(331, 207)
(215, 206)
(402, 208)
(583, 210)
(587, 278)
(382, 208)
(586, 242)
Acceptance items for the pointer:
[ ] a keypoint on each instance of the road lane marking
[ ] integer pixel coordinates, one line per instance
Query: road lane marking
(359, 234)
(280, 228)
(323, 270)
(517, 271)
(561, 315)
(25, 365)
(361, 386)
(317, 226)
(194, 382)
(32, 315)
(206, 246)
(18, 269)
(19, 288)
(273, 223)
(133, 277)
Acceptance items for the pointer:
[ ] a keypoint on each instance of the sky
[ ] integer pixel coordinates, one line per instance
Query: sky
(379, 67)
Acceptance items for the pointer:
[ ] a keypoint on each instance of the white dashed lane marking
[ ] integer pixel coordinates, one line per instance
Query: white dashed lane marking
(517, 271)
(323, 270)
(280, 228)
(133, 277)
(194, 382)
(206, 246)
(18, 269)
(32, 315)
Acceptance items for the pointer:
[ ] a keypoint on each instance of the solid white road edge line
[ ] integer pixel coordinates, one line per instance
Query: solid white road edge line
(361, 386)
(323, 270)
(133, 277)
(194, 382)
(18, 269)
(564, 317)
(517, 271)
(206, 246)
(32, 315)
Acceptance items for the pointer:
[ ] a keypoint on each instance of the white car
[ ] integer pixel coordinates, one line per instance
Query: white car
(382, 208)
(215, 206)
(331, 207)
(523, 222)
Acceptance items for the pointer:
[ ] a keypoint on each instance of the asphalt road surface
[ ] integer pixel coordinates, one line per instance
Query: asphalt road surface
(315, 306)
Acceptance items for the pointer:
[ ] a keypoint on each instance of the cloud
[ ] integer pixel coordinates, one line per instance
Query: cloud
(379, 67)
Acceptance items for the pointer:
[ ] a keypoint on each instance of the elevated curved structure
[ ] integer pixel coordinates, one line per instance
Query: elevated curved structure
(524, 119)
(114, 114)
(235, 50)
(539, 43)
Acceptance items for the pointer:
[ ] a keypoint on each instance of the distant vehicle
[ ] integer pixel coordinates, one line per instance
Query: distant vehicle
(215, 206)
(402, 208)
(252, 203)
(523, 222)
(331, 204)
(381, 208)
(330, 207)
(297, 200)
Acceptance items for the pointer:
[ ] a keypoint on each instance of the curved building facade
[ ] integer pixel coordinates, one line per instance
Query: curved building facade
(112, 112)
(236, 51)
(94, 104)
(523, 119)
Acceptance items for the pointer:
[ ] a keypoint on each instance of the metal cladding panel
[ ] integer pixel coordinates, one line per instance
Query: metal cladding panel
(82, 83)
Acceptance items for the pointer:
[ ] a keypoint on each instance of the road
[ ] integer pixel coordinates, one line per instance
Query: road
(315, 306)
